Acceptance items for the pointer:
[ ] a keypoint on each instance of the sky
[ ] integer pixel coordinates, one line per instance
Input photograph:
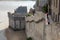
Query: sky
(10, 6)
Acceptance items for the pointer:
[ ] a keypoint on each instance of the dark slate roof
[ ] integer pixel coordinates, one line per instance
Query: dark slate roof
(21, 9)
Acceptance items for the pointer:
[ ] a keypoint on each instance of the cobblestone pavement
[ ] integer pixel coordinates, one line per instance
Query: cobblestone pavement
(15, 35)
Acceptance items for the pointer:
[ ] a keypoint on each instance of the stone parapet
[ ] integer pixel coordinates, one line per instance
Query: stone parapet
(30, 18)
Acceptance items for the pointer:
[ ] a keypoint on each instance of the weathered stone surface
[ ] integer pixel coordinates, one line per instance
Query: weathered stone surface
(33, 29)
(40, 31)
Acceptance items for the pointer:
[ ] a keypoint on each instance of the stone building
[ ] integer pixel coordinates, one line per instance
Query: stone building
(17, 19)
(54, 11)
(55, 7)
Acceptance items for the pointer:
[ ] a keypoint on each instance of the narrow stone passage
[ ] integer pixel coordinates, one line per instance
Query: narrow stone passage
(15, 35)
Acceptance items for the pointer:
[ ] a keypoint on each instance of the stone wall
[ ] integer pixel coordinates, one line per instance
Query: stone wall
(34, 28)
(52, 31)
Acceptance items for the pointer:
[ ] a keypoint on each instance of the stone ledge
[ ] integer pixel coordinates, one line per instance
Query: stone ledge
(37, 17)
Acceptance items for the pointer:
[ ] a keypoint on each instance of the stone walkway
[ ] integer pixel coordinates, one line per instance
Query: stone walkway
(2, 35)
(15, 35)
